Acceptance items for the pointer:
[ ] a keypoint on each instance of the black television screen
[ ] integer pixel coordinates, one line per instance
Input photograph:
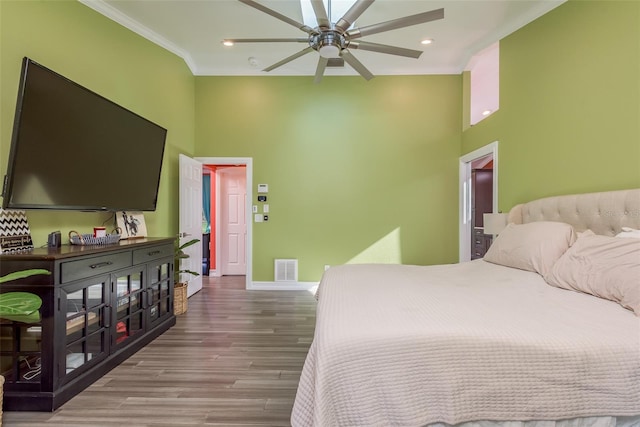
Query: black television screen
(73, 149)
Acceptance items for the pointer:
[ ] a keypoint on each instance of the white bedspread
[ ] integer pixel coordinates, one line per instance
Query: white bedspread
(410, 345)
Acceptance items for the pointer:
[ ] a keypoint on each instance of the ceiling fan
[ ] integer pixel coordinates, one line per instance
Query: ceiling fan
(336, 40)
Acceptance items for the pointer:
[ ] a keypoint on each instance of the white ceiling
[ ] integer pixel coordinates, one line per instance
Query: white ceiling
(194, 30)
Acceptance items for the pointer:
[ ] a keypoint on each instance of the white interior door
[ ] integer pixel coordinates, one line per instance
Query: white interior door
(191, 220)
(233, 225)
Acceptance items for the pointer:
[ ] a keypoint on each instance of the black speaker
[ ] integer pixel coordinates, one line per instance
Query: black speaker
(54, 240)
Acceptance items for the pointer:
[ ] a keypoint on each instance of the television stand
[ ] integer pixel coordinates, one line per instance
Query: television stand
(100, 305)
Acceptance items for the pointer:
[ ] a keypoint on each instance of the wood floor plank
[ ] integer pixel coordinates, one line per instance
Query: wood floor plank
(233, 359)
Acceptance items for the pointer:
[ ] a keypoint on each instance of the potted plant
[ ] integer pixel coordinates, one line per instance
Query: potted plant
(180, 287)
(20, 306)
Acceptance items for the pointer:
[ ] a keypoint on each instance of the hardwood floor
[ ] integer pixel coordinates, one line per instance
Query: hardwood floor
(233, 359)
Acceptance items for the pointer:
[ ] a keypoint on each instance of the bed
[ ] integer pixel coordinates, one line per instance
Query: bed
(524, 337)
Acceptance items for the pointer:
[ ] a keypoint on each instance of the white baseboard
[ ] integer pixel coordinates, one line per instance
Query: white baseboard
(283, 286)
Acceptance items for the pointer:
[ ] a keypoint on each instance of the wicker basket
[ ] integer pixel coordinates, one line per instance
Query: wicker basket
(180, 298)
(76, 238)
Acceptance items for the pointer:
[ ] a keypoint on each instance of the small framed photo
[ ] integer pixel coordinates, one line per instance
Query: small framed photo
(132, 224)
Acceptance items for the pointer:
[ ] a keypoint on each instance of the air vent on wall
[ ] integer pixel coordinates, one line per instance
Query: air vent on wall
(286, 270)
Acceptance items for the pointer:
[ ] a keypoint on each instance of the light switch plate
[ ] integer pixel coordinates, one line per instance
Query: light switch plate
(265, 208)
(255, 208)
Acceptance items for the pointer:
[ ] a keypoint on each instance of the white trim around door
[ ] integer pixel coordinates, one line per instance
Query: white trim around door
(248, 163)
(465, 194)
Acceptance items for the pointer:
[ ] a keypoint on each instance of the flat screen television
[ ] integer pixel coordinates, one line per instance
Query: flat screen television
(73, 149)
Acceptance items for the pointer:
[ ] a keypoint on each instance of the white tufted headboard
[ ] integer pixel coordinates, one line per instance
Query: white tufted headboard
(603, 213)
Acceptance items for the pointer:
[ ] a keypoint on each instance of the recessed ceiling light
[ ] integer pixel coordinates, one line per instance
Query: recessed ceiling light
(227, 42)
(427, 41)
(486, 112)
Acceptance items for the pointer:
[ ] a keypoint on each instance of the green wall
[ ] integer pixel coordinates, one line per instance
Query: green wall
(97, 53)
(569, 118)
(357, 171)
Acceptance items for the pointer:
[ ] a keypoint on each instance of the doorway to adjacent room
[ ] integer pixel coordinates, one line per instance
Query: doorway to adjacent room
(478, 195)
(229, 220)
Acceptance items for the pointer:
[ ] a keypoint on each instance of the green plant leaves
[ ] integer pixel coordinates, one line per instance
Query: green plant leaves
(179, 254)
(20, 307)
(22, 274)
(187, 244)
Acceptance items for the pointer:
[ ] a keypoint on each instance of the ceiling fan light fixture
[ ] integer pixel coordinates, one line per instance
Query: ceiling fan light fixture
(329, 44)
(329, 51)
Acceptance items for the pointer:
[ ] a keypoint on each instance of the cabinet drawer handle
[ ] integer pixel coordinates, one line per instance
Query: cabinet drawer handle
(101, 264)
(152, 253)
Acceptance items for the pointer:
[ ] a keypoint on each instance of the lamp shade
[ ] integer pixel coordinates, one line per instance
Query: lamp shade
(494, 223)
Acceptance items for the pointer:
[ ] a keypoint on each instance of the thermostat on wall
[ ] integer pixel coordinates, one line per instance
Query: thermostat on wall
(263, 188)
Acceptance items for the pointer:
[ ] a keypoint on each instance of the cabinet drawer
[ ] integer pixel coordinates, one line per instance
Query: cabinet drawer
(141, 256)
(84, 268)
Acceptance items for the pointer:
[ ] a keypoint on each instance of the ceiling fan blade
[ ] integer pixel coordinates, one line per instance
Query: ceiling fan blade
(407, 21)
(322, 64)
(321, 14)
(273, 40)
(356, 65)
(352, 14)
(383, 48)
(289, 59)
(279, 16)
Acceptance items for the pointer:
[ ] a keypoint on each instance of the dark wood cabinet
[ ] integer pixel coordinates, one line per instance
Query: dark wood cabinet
(100, 305)
(480, 244)
(481, 203)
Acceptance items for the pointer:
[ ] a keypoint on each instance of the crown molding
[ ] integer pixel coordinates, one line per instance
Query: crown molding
(115, 15)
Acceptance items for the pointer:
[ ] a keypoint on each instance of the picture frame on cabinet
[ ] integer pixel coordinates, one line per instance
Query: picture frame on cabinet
(132, 224)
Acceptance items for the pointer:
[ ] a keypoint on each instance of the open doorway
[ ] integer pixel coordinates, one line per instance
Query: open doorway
(478, 195)
(225, 174)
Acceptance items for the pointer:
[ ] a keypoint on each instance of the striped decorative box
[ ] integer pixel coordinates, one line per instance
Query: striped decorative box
(15, 235)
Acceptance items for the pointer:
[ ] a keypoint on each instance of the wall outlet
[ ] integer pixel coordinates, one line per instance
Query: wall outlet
(326, 267)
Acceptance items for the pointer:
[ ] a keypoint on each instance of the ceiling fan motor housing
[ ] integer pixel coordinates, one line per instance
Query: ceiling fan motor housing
(328, 43)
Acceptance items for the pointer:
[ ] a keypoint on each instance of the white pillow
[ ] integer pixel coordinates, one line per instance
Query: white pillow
(629, 232)
(535, 246)
(604, 266)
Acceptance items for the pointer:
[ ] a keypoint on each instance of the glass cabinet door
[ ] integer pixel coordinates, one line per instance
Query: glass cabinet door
(20, 352)
(86, 324)
(159, 291)
(129, 305)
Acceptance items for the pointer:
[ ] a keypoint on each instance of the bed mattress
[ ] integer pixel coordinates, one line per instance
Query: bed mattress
(412, 345)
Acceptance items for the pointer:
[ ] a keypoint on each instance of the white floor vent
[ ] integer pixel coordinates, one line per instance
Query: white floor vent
(286, 270)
